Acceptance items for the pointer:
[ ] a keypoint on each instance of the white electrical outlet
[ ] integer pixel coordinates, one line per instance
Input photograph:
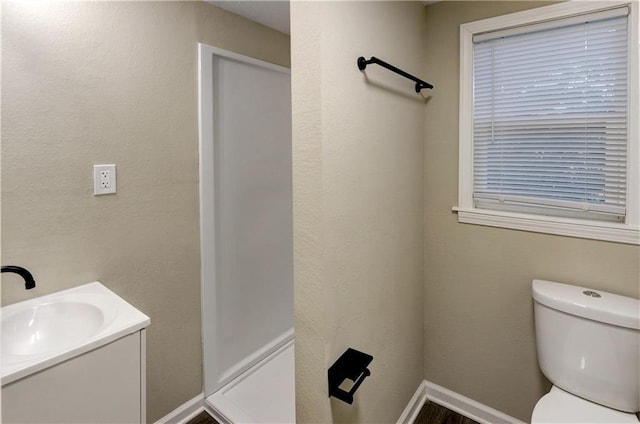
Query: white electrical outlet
(104, 179)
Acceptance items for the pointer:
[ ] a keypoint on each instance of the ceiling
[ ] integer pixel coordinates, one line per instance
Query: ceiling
(271, 13)
(274, 14)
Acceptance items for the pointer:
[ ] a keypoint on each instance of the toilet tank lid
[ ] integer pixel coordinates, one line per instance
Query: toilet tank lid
(610, 308)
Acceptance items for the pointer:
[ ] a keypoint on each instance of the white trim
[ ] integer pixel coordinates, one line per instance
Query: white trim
(633, 172)
(143, 375)
(215, 415)
(549, 24)
(230, 408)
(465, 120)
(185, 412)
(206, 49)
(541, 14)
(467, 213)
(468, 407)
(414, 406)
(207, 227)
(218, 416)
(619, 233)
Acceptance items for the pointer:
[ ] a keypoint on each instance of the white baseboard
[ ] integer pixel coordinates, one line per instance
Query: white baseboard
(425, 391)
(185, 412)
(467, 407)
(414, 406)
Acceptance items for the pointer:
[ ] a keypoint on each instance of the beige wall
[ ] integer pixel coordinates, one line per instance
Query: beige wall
(86, 83)
(358, 214)
(114, 82)
(479, 334)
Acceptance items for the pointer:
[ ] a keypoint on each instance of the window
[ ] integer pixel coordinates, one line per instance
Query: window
(547, 142)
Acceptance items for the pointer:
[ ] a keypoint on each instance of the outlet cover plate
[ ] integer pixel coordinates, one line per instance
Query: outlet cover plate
(104, 179)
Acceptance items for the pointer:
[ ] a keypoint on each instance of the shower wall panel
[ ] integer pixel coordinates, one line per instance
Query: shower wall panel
(247, 255)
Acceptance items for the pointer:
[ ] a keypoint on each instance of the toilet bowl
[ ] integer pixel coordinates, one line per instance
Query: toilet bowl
(561, 407)
(588, 346)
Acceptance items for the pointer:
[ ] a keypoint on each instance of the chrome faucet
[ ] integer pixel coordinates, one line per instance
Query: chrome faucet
(29, 282)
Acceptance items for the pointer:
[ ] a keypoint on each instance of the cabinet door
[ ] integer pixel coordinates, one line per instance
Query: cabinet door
(100, 386)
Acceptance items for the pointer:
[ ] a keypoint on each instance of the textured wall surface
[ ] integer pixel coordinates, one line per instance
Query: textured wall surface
(479, 334)
(358, 214)
(114, 82)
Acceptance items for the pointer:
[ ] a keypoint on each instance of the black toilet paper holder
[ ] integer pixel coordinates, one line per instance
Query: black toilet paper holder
(352, 365)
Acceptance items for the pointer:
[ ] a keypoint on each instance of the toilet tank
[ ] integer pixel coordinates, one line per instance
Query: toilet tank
(588, 343)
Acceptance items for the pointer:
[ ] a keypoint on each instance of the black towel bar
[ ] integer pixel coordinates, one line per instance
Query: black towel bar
(420, 84)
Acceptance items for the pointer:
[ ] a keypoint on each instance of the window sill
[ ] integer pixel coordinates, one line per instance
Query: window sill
(619, 233)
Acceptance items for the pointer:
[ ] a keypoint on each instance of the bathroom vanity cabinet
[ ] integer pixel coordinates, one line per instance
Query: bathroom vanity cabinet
(104, 385)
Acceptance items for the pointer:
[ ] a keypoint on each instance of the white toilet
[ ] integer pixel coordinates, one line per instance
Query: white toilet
(588, 344)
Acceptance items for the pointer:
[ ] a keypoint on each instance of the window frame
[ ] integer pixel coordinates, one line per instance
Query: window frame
(627, 232)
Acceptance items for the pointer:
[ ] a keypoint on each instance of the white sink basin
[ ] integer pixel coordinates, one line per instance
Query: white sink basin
(47, 330)
(50, 326)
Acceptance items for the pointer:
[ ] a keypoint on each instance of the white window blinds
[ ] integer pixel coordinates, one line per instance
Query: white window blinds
(550, 117)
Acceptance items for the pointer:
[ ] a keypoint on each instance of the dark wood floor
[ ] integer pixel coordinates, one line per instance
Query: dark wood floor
(203, 418)
(431, 413)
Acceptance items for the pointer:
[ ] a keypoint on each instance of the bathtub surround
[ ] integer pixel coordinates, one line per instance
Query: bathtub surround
(114, 82)
(245, 212)
(479, 334)
(358, 213)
